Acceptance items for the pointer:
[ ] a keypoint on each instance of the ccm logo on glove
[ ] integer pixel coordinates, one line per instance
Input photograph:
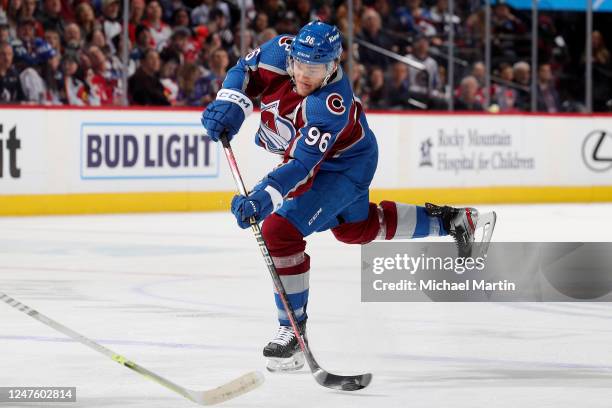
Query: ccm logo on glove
(238, 98)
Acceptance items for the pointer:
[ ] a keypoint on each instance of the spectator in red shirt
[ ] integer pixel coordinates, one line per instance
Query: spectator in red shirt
(77, 92)
(160, 31)
(104, 78)
(137, 9)
(28, 10)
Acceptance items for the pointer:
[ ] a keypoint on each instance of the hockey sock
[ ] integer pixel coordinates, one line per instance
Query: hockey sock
(286, 245)
(405, 221)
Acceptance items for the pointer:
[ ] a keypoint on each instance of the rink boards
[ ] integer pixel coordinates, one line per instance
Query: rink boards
(62, 161)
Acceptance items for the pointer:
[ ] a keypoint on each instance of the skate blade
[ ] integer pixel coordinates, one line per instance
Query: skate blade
(294, 363)
(484, 229)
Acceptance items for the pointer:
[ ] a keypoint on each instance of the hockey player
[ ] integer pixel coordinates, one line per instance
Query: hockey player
(310, 116)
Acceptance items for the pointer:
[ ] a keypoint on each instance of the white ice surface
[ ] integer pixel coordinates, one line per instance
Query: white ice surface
(188, 296)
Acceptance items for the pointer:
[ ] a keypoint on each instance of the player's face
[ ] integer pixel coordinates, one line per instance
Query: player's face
(308, 77)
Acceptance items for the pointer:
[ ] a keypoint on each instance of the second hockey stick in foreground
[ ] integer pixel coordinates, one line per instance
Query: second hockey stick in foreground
(324, 378)
(225, 392)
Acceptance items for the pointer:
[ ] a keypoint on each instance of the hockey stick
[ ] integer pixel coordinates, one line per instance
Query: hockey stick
(324, 378)
(239, 386)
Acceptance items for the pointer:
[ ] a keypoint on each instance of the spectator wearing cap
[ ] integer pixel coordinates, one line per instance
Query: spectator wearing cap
(10, 86)
(51, 15)
(32, 83)
(467, 99)
(110, 23)
(24, 46)
(160, 31)
(144, 86)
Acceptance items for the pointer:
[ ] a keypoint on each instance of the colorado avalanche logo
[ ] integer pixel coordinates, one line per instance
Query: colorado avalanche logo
(275, 132)
(285, 42)
(335, 104)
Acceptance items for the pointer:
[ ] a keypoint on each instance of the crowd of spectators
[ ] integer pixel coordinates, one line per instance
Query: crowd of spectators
(70, 52)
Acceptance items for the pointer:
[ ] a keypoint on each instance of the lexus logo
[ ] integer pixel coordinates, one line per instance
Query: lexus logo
(597, 150)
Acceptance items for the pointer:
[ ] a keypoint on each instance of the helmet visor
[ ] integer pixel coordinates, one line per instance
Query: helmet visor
(315, 71)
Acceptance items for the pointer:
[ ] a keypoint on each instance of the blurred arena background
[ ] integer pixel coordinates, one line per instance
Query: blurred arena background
(471, 101)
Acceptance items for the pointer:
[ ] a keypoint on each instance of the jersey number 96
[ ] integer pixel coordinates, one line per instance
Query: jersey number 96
(315, 137)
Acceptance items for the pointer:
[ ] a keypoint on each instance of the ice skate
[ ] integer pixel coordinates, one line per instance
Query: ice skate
(283, 352)
(462, 224)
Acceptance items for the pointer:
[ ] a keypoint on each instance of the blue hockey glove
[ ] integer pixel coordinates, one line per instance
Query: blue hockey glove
(227, 112)
(259, 204)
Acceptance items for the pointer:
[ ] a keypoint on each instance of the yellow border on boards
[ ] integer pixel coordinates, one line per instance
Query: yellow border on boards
(101, 203)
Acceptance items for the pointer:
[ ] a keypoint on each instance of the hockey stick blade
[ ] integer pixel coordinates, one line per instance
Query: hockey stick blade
(232, 389)
(342, 382)
(227, 391)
